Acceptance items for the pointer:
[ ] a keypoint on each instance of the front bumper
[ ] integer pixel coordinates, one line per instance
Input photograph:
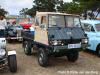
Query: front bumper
(62, 50)
(14, 38)
(3, 63)
(56, 49)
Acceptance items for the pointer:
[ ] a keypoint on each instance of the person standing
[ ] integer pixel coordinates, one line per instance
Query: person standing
(3, 22)
(97, 14)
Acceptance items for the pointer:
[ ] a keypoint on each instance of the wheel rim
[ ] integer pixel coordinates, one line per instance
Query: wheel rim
(25, 49)
(41, 58)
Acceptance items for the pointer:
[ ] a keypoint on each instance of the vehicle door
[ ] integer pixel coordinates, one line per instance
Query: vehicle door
(89, 30)
(41, 31)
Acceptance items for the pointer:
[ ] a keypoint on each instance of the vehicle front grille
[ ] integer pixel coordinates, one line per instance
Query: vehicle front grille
(19, 33)
(71, 41)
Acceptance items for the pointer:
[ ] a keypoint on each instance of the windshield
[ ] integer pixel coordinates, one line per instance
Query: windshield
(2, 33)
(97, 27)
(63, 21)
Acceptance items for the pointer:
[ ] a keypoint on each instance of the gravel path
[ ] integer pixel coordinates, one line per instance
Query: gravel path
(87, 64)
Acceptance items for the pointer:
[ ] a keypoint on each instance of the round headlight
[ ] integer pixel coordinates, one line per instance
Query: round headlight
(2, 53)
(84, 40)
(55, 42)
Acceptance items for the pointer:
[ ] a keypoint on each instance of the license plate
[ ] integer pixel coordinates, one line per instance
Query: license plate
(70, 46)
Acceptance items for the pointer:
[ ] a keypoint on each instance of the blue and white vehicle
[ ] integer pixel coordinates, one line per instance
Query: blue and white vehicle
(92, 29)
(14, 33)
(7, 58)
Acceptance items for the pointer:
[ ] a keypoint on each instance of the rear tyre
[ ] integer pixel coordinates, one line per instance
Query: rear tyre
(98, 51)
(27, 48)
(12, 63)
(42, 58)
(73, 55)
(23, 44)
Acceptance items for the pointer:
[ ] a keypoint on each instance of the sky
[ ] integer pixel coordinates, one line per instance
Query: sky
(14, 6)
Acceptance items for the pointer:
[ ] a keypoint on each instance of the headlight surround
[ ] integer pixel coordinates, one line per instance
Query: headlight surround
(56, 42)
(2, 53)
(84, 40)
(3, 47)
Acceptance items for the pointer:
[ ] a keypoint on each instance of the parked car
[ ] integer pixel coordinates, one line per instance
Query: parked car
(14, 32)
(7, 58)
(55, 35)
(26, 25)
(92, 29)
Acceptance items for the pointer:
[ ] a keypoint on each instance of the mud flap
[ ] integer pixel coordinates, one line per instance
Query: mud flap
(11, 52)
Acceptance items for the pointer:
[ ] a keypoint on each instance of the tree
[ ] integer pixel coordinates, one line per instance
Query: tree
(23, 11)
(60, 6)
(79, 6)
(42, 6)
(75, 7)
(3, 12)
(45, 5)
(89, 4)
(31, 12)
(72, 8)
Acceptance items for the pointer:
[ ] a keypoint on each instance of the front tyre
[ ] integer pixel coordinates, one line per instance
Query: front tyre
(42, 58)
(27, 48)
(98, 51)
(73, 55)
(12, 63)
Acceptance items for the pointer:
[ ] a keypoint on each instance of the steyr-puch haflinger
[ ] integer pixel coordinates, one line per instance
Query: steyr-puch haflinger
(55, 34)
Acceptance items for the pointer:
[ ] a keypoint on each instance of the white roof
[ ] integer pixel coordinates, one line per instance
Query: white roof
(55, 13)
(91, 21)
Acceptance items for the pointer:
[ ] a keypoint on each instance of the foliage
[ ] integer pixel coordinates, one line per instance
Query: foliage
(79, 6)
(89, 4)
(3, 12)
(45, 5)
(31, 12)
(72, 8)
(23, 11)
(41, 5)
(75, 7)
